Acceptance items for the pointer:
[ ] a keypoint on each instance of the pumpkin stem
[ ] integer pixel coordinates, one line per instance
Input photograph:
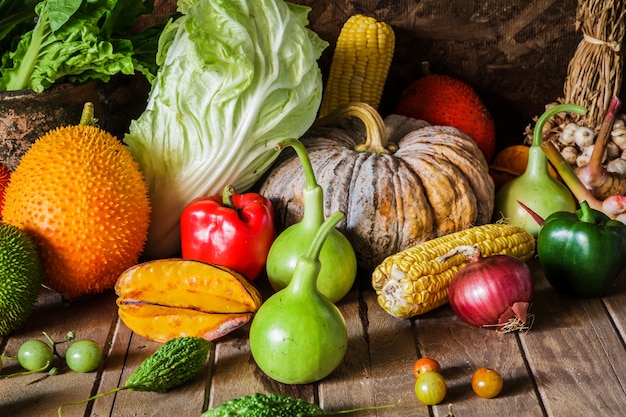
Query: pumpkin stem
(376, 132)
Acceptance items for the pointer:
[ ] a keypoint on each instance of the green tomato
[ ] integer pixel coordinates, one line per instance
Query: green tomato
(431, 388)
(35, 355)
(83, 356)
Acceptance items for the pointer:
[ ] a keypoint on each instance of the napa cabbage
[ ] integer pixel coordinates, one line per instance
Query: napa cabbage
(235, 78)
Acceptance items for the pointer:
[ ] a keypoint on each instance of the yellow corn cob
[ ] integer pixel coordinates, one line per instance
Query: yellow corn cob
(360, 64)
(415, 280)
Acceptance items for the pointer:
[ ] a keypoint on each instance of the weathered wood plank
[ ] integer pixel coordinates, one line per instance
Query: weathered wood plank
(188, 397)
(572, 346)
(615, 304)
(615, 301)
(349, 385)
(461, 349)
(379, 355)
(570, 350)
(113, 367)
(89, 318)
(392, 353)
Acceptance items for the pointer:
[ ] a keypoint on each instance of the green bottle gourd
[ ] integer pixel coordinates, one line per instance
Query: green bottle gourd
(299, 336)
(338, 259)
(535, 188)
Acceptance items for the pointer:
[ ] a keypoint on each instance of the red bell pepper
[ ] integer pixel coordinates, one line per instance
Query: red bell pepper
(231, 230)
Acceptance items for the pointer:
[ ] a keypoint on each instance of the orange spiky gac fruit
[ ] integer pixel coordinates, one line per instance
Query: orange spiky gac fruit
(80, 195)
(446, 101)
(5, 177)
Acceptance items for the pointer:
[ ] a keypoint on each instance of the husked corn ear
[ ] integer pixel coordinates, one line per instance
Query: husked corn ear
(360, 64)
(416, 280)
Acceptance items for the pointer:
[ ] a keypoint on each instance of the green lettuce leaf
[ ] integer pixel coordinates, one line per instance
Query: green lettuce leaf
(235, 78)
(73, 40)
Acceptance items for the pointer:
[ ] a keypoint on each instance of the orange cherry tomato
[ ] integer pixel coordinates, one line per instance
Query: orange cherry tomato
(486, 382)
(425, 364)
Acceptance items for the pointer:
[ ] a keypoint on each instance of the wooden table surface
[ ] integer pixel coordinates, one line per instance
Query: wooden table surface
(571, 363)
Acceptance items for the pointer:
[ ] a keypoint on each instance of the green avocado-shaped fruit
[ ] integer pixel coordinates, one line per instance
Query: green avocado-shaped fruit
(20, 277)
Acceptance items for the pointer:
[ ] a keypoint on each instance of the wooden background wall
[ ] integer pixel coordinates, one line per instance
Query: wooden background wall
(514, 52)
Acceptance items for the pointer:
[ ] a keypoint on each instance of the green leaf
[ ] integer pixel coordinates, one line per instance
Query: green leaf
(73, 40)
(60, 12)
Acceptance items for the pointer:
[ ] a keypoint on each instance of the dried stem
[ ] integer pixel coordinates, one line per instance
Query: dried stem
(595, 70)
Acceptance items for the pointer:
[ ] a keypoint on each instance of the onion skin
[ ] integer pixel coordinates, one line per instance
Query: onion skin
(492, 292)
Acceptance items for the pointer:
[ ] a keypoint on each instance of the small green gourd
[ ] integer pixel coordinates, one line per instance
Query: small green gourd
(337, 257)
(174, 363)
(535, 188)
(299, 336)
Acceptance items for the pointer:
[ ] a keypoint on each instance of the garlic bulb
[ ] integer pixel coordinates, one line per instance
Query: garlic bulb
(618, 135)
(584, 137)
(570, 154)
(583, 158)
(617, 165)
(575, 142)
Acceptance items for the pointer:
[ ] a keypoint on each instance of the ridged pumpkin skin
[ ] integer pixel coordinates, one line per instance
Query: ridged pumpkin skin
(436, 182)
(81, 197)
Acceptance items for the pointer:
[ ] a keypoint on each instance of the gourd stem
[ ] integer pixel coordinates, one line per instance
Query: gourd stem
(315, 248)
(303, 156)
(306, 272)
(376, 140)
(537, 160)
(312, 193)
(354, 410)
(537, 133)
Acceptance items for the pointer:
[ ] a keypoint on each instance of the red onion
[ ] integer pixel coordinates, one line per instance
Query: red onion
(493, 291)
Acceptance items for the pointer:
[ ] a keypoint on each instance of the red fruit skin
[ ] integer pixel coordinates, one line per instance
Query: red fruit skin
(5, 177)
(445, 101)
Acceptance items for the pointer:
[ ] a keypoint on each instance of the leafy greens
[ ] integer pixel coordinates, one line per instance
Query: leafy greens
(235, 78)
(70, 40)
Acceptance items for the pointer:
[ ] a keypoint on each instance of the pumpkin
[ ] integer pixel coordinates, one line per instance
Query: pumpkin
(399, 181)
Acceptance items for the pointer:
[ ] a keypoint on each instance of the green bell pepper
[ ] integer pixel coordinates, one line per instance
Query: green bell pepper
(581, 253)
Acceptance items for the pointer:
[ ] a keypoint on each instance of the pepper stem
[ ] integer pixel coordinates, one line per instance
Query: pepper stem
(227, 196)
(376, 139)
(586, 215)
